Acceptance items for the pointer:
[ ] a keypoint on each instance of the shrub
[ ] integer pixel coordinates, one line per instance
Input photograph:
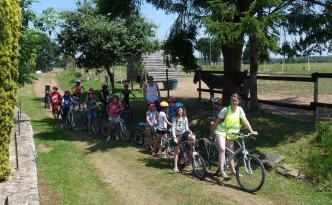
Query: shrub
(9, 35)
(321, 157)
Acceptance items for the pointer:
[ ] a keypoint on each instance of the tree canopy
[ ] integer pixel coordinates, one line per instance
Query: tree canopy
(209, 48)
(98, 42)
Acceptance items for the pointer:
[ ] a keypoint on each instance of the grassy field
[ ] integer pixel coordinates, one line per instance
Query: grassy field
(74, 170)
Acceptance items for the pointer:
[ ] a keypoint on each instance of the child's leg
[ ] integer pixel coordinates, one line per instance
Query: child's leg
(156, 144)
(176, 157)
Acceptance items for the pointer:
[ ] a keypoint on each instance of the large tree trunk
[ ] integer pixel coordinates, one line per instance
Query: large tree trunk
(111, 76)
(253, 73)
(232, 67)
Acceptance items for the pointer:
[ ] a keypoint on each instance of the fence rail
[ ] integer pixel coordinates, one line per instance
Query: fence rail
(314, 78)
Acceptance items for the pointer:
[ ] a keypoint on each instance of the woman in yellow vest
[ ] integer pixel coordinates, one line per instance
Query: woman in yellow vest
(229, 121)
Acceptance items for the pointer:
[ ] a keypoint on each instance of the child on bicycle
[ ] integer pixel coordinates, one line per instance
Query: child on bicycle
(162, 126)
(124, 96)
(91, 106)
(152, 116)
(67, 106)
(47, 92)
(113, 110)
(55, 98)
(181, 131)
(77, 90)
(228, 122)
(217, 107)
(171, 110)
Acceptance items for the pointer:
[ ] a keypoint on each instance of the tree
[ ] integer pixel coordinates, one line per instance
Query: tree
(10, 24)
(208, 46)
(259, 21)
(47, 53)
(97, 42)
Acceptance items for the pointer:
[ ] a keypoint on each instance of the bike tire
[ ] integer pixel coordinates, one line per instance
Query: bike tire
(199, 167)
(212, 159)
(95, 126)
(58, 112)
(71, 121)
(85, 122)
(139, 136)
(125, 132)
(181, 161)
(250, 173)
(170, 150)
(104, 127)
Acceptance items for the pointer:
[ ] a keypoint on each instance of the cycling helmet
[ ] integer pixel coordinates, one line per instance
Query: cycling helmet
(171, 100)
(104, 86)
(163, 104)
(55, 87)
(67, 92)
(126, 85)
(151, 104)
(47, 85)
(217, 100)
(91, 89)
(78, 81)
(178, 105)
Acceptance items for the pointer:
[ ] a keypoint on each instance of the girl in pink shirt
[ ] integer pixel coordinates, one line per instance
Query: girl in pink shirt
(113, 115)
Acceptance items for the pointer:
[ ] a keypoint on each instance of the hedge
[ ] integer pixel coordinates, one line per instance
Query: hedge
(10, 23)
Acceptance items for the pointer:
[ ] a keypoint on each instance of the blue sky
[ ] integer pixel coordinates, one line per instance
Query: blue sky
(157, 17)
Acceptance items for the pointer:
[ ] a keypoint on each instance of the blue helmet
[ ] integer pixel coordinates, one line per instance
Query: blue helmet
(177, 105)
(78, 81)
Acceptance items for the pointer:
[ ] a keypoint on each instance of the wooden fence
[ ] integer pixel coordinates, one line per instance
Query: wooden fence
(314, 78)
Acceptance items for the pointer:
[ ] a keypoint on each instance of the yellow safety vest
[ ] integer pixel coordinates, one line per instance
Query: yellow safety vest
(230, 124)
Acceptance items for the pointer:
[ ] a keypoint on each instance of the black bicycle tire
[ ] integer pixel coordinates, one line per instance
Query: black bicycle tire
(71, 121)
(85, 122)
(213, 159)
(198, 159)
(95, 126)
(104, 127)
(130, 114)
(139, 133)
(240, 176)
(125, 133)
(181, 161)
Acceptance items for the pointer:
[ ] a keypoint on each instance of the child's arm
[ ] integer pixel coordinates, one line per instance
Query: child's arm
(133, 94)
(165, 118)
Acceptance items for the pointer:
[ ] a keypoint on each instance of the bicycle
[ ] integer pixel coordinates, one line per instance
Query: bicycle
(125, 129)
(186, 153)
(95, 124)
(69, 120)
(127, 112)
(76, 99)
(250, 171)
(210, 154)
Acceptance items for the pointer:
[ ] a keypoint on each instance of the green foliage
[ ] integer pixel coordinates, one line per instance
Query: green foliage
(47, 53)
(10, 23)
(209, 46)
(321, 157)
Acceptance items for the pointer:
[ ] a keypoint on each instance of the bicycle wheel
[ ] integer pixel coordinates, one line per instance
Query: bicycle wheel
(104, 126)
(95, 126)
(212, 158)
(71, 121)
(125, 131)
(85, 122)
(250, 173)
(139, 135)
(199, 167)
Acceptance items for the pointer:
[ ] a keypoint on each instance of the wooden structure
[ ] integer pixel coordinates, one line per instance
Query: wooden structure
(154, 65)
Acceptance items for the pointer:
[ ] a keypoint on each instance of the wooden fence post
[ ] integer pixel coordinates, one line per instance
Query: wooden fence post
(199, 86)
(315, 77)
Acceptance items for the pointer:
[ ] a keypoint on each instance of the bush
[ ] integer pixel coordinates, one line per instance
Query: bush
(321, 157)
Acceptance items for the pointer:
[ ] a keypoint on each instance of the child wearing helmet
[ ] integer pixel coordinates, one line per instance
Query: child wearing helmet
(77, 90)
(67, 105)
(55, 98)
(217, 107)
(47, 92)
(151, 117)
(180, 131)
(162, 126)
(171, 110)
(124, 96)
(91, 107)
(113, 115)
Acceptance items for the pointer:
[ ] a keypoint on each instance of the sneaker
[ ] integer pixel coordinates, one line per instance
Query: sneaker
(108, 138)
(223, 174)
(176, 170)
(117, 137)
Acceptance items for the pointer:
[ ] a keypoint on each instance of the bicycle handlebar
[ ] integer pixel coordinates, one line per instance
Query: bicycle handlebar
(244, 136)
